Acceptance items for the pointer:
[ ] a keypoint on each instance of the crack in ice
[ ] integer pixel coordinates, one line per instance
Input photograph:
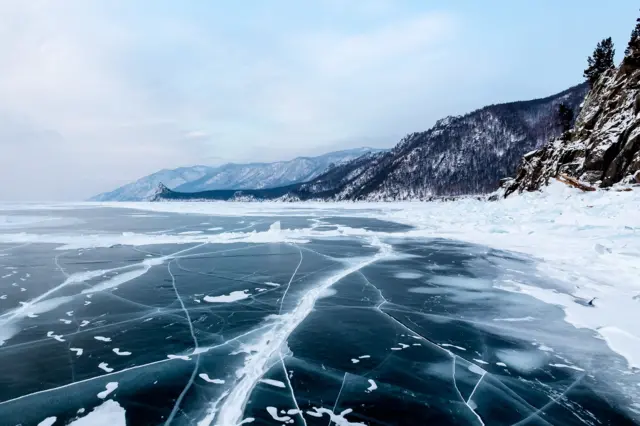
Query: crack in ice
(176, 406)
(293, 395)
(256, 365)
(291, 279)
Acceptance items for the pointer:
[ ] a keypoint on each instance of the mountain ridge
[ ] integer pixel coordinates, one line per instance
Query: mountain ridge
(232, 175)
(465, 154)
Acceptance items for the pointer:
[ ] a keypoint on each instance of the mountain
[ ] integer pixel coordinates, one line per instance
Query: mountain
(467, 154)
(146, 187)
(228, 176)
(270, 175)
(603, 148)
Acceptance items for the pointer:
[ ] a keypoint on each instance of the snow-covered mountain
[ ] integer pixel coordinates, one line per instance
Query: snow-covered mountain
(467, 154)
(270, 175)
(603, 148)
(146, 187)
(232, 176)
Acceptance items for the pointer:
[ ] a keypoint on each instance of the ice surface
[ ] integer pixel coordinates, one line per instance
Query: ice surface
(539, 259)
(551, 225)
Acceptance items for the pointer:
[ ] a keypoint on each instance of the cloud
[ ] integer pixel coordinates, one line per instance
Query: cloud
(94, 95)
(343, 54)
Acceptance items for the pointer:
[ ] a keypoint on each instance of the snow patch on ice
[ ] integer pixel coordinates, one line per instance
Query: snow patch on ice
(206, 378)
(110, 387)
(276, 383)
(234, 296)
(408, 275)
(449, 345)
(104, 366)
(573, 367)
(49, 421)
(523, 319)
(373, 386)
(273, 412)
(182, 357)
(109, 413)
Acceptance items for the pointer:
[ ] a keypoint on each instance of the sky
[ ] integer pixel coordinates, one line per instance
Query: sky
(95, 94)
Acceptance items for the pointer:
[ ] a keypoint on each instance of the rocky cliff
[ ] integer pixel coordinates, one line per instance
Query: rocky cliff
(603, 148)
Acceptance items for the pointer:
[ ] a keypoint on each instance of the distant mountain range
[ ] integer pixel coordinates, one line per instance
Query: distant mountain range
(467, 154)
(233, 176)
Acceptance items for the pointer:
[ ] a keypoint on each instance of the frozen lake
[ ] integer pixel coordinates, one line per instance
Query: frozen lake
(322, 316)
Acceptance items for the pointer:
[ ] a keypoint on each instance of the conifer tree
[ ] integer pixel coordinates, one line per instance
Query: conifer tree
(565, 117)
(634, 42)
(600, 61)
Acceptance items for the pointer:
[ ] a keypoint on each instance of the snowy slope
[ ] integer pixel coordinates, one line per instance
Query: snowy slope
(232, 176)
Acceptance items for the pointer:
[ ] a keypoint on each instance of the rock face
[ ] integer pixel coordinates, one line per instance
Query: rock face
(603, 148)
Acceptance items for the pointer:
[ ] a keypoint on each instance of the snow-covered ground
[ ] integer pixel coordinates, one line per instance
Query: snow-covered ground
(589, 242)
